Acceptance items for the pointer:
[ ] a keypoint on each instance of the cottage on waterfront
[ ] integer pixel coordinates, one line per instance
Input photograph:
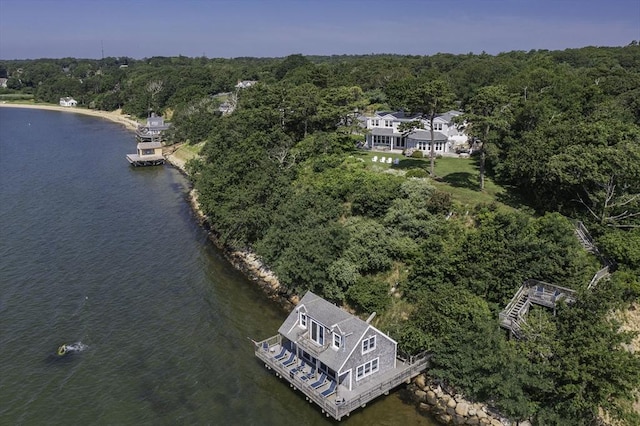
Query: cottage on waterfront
(68, 102)
(153, 130)
(383, 133)
(338, 360)
(148, 154)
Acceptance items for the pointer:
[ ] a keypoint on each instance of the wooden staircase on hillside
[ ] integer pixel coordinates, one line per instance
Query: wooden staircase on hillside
(513, 317)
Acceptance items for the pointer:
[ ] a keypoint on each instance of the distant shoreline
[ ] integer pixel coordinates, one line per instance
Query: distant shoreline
(115, 116)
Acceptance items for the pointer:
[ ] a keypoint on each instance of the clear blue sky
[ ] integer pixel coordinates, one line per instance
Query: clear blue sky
(276, 28)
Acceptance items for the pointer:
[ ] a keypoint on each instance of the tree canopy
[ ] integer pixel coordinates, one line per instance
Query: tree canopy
(282, 176)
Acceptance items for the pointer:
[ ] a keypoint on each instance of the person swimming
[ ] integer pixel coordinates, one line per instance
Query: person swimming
(67, 348)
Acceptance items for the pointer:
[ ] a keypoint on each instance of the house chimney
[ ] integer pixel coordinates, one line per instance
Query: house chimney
(372, 316)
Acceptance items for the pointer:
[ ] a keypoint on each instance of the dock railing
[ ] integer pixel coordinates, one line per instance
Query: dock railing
(546, 294)
(334, 405)
(341, 409)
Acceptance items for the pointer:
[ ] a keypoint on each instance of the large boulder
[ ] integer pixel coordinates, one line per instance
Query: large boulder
(462, 409)
(473, 421)
(421, 381)
(451, 402)
(444, 419)
(459, 420)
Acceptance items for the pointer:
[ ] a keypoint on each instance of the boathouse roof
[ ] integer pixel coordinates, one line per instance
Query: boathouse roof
(149, 145)
(349, 326)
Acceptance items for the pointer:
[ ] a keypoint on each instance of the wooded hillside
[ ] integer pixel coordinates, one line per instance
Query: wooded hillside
(436, 256)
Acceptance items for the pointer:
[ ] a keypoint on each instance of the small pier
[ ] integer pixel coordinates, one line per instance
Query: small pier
(148, 154)
(335, 400)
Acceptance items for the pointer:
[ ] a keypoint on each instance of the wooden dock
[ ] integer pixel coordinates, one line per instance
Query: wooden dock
(342, 402)
(148, 154)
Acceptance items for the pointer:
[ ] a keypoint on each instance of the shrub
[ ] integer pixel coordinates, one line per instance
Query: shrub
(417, 154)
(369, 294)
(417, 173)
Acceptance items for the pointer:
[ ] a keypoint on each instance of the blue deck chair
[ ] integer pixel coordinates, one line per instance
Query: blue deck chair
(309, 375)
(290, 361)
(298, 367)
(281, 355)
(265, 346)
(319, 382)
(331, 389)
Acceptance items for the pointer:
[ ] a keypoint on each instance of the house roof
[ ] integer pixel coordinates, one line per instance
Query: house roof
(149, 145)
(398, 115)
(425, 135)
(383, 131)
(448, 116)
(349, 326)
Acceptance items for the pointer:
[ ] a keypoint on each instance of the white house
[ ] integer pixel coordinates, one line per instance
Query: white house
(153, 130)
(68, 102)
(383, 132)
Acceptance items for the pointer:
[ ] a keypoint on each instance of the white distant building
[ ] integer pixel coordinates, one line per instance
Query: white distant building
(68, 102)
(384, 134)
(243, 84)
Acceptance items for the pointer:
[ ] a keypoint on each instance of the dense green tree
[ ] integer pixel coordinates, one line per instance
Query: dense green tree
(300, 246)
(487, 112)
(428, 98)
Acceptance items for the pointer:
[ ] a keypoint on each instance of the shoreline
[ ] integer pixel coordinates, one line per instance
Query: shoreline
(426, 400)
(114, 116)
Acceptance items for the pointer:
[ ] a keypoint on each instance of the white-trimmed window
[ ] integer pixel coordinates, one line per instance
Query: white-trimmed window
(337, 340)
(381, 140)
(388, 123)
(375, 122)
(368, 344)
(367, 369)
(437, 126)
(317, 333)
(303, 320)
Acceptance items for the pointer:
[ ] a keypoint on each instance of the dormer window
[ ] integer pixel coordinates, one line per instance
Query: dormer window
(375, 122)
(337, 341)
(303, 320)
(388, 123)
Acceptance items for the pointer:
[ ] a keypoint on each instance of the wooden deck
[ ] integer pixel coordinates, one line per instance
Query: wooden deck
(343, 401)
(513, 316)
(532, 292)
(145, 160)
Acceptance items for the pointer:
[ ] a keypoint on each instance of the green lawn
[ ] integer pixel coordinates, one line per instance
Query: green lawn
(186, 151)
(458, 176)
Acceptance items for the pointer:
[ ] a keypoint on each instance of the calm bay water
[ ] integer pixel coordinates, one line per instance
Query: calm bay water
(95, 251)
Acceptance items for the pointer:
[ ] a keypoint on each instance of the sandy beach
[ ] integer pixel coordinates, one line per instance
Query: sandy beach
(115, 116)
